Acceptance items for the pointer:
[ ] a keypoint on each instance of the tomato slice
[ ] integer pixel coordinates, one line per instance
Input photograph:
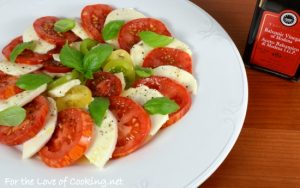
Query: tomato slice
(168, 56)
(36, 113)
(93, 18)
(44, 27)
(134, 125)
(172, 90)
(128, 35)
(27, 56)
(8, 86)
(105, 84)
(71, 138)
(55, 67)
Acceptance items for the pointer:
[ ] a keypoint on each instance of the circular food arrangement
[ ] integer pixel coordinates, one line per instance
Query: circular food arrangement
(98, 87)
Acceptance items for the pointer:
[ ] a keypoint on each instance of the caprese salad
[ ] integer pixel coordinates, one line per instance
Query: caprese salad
(97, 87)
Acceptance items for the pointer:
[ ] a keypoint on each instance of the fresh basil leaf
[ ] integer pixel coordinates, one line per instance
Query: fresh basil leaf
(20, 48)
(87, 44)
(12, 116)
(112, 29)
(155, 40)
(64, 25)
(33, 81)
(143, 72)
(98, 109)
(71, 57)
(161, 105)
(94, 59)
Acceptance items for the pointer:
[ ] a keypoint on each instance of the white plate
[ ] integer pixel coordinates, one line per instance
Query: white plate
(184, 155)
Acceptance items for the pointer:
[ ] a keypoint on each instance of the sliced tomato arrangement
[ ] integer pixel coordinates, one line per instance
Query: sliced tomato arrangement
(55, 67)
(36, 113)
(8, 86)
(44, 27)
(172, 90)
(27, 56)
(71, 139)
(76, 116)
(105, 84)
(134, 125)
(93, 18)
(168, 56)
(129, 34)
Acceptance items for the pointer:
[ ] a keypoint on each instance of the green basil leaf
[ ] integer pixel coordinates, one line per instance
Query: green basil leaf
(64, 25)
(20, 48)
(161, 105)
(155, 40)
(94, 59)
(87, 44)
(71, 57)
(33, 81)
(112, 29)
(143, 72)
(98, 109)
(12, 116)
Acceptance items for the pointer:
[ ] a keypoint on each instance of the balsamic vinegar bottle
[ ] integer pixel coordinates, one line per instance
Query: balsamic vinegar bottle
(273, 43)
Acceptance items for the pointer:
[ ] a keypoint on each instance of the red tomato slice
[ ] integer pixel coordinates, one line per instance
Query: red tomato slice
(44, 27)
(172, 90)
(27, 57)
(71, 138)
(168, 56)
(93, 18)
(55, 67)
(8, 86)
(105, 84)
(134, 125)
(36, 113)
(128, 35)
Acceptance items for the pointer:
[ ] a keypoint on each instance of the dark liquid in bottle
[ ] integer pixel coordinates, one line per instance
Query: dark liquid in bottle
(273, 43)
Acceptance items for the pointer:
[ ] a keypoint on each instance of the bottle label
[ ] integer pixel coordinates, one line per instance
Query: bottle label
(277, 44)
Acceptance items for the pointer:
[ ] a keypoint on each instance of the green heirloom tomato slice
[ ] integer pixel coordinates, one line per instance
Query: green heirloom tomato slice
(127, 68)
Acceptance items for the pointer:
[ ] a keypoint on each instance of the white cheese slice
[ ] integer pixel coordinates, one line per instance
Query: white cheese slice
(35, 144)
(79, 31)
(120, 75)
(140, 50)
(54, 74)
(104, 141)
(42, 47)
(181, 76)
(56, 57)
(76, 45)
(141, 95)
(124, 14)
(16, 69)
(22, 98)
(61, 90)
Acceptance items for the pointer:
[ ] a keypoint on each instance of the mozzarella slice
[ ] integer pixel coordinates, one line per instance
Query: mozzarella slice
(105, 140)
(42, 47)
(61, 90)
(141, 95)
(125, 14)
(79, 31)
(54, 74)
(35, 144)
(181, 76)
(120, 75)
(56, 57)
(140, 50)
(22, 98)
(76, 45)
(16, 69)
